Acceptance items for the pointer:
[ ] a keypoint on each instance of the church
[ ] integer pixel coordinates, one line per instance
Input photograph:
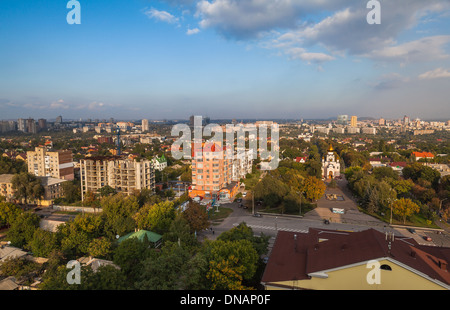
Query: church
(331, 167)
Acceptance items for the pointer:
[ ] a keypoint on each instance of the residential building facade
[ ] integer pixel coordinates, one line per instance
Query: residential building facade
(215, 174)
(56, 164)
(123, 174)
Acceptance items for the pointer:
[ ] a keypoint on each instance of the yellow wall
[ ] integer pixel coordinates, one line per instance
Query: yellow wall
(355, 278)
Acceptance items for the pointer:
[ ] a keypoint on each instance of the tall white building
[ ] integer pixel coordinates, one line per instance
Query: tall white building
(145, 125)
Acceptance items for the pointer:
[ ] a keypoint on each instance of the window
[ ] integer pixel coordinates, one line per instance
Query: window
(386, 267)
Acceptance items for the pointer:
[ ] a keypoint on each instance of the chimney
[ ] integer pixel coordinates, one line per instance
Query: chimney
(443, 265)
(413, 254)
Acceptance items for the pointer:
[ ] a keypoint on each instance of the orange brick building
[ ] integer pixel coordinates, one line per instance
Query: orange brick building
(212, 173)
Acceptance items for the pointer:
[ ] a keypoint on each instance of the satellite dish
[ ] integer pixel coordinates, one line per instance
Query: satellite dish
(117, 236)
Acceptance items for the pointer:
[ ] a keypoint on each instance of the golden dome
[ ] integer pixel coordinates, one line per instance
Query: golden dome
(330, 149)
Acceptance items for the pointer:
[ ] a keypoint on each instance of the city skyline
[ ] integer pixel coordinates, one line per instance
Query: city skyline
(225, 59)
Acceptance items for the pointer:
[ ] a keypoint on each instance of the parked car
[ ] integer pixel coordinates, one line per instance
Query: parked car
(239, 200)
(244, 194)
(257, 215)
(326, 222)
(411, 230)
(427, 238)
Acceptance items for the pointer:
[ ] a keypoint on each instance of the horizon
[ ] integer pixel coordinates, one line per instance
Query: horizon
(228, 59)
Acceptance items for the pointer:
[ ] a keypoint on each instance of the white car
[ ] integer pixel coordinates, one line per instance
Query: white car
(244, 194)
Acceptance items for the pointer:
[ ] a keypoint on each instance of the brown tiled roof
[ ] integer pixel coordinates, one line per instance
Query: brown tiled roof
(295, 256)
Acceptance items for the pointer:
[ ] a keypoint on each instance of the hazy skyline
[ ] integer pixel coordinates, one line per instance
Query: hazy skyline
(224, 59)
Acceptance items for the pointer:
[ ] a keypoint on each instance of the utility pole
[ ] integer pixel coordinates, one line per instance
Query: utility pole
(253, 204)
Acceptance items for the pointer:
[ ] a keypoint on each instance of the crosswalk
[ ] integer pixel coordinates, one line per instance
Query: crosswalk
(261, 227)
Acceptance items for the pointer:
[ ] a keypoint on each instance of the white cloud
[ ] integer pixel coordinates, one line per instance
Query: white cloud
(192, 31)
(248, 19)
(424, 49)
(300, 53)
(435, 74)
(161, 16)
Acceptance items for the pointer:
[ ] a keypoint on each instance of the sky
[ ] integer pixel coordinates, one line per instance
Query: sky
(225, 59)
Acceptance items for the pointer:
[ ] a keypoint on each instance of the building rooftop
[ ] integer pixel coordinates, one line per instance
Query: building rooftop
(295, 256)
(6, 178)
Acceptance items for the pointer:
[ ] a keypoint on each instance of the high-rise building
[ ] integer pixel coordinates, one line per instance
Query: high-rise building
(123, 174)
(216, 173)
(145, 125)
(6, 126)
(21, 125)
(342, 119)
(406, 120)
(42, 124)
(31, 125)
(382, 122)
(56, 164)
(354, 121)
(58, 120)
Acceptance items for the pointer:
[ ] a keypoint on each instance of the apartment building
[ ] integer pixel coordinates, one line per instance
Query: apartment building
(123, 174)
(53, 189)
(216, 174)
(56, 164)
(6, 189)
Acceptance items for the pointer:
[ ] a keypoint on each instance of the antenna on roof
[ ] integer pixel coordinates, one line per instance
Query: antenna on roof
(390, 238)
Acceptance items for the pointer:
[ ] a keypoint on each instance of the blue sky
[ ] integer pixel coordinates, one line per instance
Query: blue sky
(225, 59)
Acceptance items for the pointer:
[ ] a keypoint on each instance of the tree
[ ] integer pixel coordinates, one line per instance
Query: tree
(165, 270)
(244, 232)
(100, 247)
(313, 188)
(118, 212)
(404, 208)
(196, 216)
(156, 217)
(271, 189)
(230, 262)
(43, 243)
(27, 187)
(180, 232)
(418, 171)
(129, 256)
(72, 191)
(8, 213)
(22, 230)
(21, 269)
(11, 166)
(384, 172)
(107, 191)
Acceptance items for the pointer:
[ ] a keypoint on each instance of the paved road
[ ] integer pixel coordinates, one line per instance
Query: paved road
(352, 220)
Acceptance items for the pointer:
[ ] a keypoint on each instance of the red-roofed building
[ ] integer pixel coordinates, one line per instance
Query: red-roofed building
(341, 260)
(420, 155)
(301, 159)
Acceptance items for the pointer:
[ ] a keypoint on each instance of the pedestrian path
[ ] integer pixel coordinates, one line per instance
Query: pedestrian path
(304, 231)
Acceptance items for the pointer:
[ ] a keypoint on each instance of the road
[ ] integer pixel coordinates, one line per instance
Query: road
(270, 224)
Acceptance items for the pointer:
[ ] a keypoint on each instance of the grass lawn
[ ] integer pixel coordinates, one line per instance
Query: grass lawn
(217, 217)
(306, 207)
(414, 220)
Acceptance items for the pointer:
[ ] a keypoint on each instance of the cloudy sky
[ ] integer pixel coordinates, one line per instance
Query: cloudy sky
(224, 59)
